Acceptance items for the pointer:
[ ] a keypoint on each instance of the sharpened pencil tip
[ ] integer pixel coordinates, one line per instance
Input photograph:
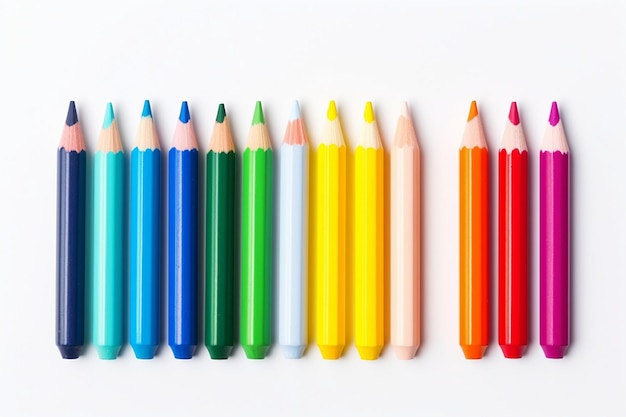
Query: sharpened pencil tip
(184, 113)
(147, 111)
(473, 111)
(72, 117)
(405, 110)
(513, 114)
(109, 116)
(221, 113)
(258, 117)
(369, 112)
(295, 111)
(331, 114)
(555, 117)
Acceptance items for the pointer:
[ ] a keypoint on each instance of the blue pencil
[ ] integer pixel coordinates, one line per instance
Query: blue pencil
(145, 202)
(70, 301)
(183, 239)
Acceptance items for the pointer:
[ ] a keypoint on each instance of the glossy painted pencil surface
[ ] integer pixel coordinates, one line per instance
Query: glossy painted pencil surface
(405, 239)
(108, 241)
(331, 239)
(554, 239)
(220, 241)
(145, 242)
(293, 227)
(369, 240)
(474, 238)
(256, 240)
(70, 276)
(513, 239)
(183, 239)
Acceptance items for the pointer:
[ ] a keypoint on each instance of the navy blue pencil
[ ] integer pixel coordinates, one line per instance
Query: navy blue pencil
(70, 280)
(183, 239)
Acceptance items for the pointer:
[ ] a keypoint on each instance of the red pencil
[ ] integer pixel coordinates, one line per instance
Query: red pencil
(513, 239)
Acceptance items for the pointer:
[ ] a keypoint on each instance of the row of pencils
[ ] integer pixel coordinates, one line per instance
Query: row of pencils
(107, 257)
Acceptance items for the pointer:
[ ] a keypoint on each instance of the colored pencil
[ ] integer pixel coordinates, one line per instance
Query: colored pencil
(108, 240)
(293, 226)
(369, 240)
(513, 239)
(405, 239)
(145, 242)
(220, 241)
(256, 240)
(183, 238)
(554, 239)
(70, 282)
(331, 239)
(474, 238)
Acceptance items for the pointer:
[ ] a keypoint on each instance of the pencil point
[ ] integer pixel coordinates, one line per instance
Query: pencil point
(473, 111)
(369, 353)
(405, 110)
(183, 351)
(221, 113)
(331, 114)
(473, 351)
(109, 116)
(144, 351)
(147, 111)
(293, 352)
(184, 113)
(513, 114)
(72, 117)
(108, 352)
(330, 352)
(405, 352)
(369, 112)
(255, 351)
(258, 117)
(555, 117)
(295, 111)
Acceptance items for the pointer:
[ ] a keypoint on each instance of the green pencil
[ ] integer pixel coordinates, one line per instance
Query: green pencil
(256, 240)
(220, 249)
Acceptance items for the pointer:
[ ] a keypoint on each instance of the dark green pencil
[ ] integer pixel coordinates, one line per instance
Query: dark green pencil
(220, 232)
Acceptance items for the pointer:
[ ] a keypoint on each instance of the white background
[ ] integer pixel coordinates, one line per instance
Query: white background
(438, 56)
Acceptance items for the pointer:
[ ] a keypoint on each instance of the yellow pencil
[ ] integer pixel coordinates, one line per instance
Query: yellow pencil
(369, 240)
(331, 239)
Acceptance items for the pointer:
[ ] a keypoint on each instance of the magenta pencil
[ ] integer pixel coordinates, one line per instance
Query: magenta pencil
(554, 239)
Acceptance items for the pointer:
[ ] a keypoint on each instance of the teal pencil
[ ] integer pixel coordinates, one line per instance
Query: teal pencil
(108, 243)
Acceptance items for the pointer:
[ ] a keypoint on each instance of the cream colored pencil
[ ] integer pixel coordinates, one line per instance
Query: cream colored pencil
(405, 239)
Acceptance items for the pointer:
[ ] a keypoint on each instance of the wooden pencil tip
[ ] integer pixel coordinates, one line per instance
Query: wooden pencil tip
(369, 112)
(109, 116)
(473, 111)
(72, 116)
(147, 111)
(258, 117)
(513, 114)
(331, 114)
(184, 113)
(555, 117)
(221, 113)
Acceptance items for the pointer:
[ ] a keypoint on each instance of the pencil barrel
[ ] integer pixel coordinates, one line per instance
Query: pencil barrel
(474, 251)
(108, 254)
(145, 216)
(369, 252)
(70, 276)
(183, 252)
(331, 250)
(513, 252)
(293, 227)
(256, 252)
(220, 253)
(554, 253)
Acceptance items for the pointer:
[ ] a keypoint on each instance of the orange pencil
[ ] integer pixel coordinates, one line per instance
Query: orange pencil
(474, 238)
